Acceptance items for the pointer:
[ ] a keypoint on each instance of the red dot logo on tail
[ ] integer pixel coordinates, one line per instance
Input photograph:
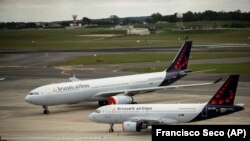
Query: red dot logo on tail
(226, 94)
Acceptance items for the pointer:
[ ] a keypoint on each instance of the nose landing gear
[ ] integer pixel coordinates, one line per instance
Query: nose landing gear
(45, 109)
(111, 129)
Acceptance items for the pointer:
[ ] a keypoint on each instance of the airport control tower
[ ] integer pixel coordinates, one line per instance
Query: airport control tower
(74, 20)
(179, 23)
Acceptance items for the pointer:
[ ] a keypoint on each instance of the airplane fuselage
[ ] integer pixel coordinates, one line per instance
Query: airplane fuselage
(140, 116)
(73, 92)
(164, 113)
(112, 90)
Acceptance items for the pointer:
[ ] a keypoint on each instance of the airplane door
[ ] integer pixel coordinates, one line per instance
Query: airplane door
(204, 112)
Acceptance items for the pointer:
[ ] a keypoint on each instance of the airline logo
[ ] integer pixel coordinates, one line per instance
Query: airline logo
(145, 108)
(182, 61)
(226, 94)
(70, 88)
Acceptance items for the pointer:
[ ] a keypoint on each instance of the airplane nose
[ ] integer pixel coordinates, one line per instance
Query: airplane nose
(92, 117)
(27, 99)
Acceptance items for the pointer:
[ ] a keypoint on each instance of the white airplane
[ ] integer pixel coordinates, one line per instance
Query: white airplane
(140, 116)
(113, 90)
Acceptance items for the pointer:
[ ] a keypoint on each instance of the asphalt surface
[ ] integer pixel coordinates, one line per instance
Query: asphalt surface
(26, 71)
(22, 121)
(35, 65)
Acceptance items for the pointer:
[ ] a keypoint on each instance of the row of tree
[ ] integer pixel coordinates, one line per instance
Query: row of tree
(187, 17)
(154, 18)
(202, 16)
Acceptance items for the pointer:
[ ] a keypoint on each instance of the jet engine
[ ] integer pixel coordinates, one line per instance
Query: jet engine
(120, 99)
(129, 126)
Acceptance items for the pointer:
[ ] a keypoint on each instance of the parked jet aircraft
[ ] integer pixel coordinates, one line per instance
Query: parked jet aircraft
(113, 90)
(140, 116)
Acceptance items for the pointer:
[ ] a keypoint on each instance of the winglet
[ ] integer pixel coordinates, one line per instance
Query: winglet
(73, 78)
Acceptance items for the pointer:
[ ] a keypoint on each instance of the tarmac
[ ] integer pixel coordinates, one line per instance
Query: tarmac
(22, 121)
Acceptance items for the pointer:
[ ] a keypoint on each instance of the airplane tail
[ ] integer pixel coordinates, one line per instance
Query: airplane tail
(222, 103)
(226, 94)
(178, 67)
(181, 59)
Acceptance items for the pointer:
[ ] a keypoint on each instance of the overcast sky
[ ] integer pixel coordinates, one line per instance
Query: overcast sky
(54, 10)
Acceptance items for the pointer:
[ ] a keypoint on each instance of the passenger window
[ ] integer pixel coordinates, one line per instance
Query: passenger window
(34, 93)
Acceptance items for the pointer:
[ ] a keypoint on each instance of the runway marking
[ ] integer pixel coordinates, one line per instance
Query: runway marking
(56, 138)
(1, 79)
(65, 73)
(45, 55)
(12, 57)
(115, 70)
(223, 45)
(30, 59)
(50, 61)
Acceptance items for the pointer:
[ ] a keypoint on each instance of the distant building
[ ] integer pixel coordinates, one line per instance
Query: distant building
(131, 30)
(123, 27)
(90, 25)
(206, 26)
(40, 25)
(138, 31)
(162, 22)
(55, 25)
(74, 26)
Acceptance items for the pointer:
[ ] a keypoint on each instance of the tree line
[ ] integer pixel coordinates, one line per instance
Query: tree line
(202, 16)
(189, 16)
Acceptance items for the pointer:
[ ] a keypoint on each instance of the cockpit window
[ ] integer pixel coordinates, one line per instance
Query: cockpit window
(98, 111)
(34, 93)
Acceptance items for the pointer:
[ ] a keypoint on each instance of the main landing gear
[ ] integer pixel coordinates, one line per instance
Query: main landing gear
(45, 110)
(111, 129)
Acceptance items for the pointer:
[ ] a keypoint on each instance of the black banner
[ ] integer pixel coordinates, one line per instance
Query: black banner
(217, 132)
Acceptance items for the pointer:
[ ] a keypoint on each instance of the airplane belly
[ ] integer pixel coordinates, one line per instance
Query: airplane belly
(42, 100)
(187, 117)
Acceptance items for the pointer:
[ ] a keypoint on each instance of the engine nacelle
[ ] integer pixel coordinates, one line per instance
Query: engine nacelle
(120, 99)
(129, 126)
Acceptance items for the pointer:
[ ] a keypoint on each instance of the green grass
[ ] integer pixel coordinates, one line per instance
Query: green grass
(193, 24)
(54, 39)
(219, 68)
(140, 57)
(199, 36)
(69, 39)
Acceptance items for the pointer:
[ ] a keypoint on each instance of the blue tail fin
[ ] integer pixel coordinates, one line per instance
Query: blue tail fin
(181, 60)
(222, 103)
(226, 94)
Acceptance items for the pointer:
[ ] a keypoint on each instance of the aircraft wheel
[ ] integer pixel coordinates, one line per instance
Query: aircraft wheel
(46, 111)
(111, 129)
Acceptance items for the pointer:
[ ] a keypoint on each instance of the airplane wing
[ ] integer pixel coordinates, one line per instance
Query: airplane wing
(153, 120)
(73, 78)
(132, 92)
